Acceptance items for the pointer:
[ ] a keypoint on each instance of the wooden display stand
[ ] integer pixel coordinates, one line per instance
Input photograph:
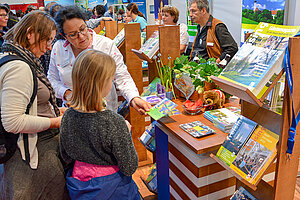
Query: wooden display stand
(134, 66)
(286, 168)
(111, 28)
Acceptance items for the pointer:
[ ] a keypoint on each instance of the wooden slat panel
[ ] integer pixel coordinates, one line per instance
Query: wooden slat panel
(178, 190)
(198, 172)
(287, 168)
(214, 187)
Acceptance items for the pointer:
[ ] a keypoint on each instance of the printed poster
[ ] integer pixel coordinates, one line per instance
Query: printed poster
(256, 11)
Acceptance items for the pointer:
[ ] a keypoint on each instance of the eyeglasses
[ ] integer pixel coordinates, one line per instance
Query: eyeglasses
(3, 15)
(82, 30)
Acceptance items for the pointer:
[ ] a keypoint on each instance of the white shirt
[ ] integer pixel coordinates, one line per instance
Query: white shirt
(184, 36)
(61, 64)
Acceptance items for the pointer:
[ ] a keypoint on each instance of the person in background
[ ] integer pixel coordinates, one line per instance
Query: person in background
(213, 39)
(19, 14)
(40, 175)
(75, 38)
(127, 19)
(42, 8)
(170, 16)
(3, 22)
(120, 15)
(96, 139)
(99, 11)
(30, 8)
(12, 19)
(54, 10)
(89, 13)
(109, 12)
(136, 15)
(48, 6)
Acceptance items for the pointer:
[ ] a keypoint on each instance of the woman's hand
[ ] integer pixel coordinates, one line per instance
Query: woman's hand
(140, 105)
(55, 122)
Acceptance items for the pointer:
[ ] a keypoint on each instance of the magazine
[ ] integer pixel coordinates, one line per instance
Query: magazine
(242, 194)
(197, 129)
(150, 47)
(236, 139)
(148, 137)
(259, 61)
(185, 85)
(152, 99)
(163, 108)
(223, 118)
(256, 155)
(151, 88)
(119, 38)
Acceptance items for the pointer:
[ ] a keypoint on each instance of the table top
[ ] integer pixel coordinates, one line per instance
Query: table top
(198, 145)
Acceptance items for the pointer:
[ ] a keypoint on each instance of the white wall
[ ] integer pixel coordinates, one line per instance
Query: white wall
(292, 17)
(150, 17)
(182, 7)
(229, 12)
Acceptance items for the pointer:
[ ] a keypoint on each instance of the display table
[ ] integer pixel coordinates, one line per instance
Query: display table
(184, 168)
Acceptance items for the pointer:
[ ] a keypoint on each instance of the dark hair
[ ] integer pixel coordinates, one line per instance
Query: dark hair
(121, 12)
(100, 10)
(67, 13)
(30, 8)
(134, 9)
(19, 13)
(2, 6)
(54, 9)
(48, 6)
(201, 4)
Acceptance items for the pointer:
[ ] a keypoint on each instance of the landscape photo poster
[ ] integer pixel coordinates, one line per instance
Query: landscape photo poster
(256, 11)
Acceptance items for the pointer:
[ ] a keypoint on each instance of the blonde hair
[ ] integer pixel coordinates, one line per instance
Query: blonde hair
(91, 70)
(173, 11)
(37, 22)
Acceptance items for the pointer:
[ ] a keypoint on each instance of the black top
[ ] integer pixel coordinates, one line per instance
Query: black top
(225, 39)
(100, 138)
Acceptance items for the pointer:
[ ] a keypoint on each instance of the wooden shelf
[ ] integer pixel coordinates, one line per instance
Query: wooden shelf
(237, 90)
(253, 187)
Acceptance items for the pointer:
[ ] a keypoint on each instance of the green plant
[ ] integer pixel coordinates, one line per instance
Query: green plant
(165, 72)
(199, 72)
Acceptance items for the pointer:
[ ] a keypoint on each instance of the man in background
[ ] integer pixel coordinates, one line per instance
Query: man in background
(213, 38)
(109, 12)
(3, 22)
(12, 19)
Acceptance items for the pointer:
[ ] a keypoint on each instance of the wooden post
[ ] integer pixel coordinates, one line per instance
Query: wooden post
(100, 27)
(152, 72)
(120, 26)
(134, 66)
(286, 171)
(111, 29)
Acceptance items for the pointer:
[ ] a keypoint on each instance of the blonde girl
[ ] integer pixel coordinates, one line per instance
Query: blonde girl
(98, 140)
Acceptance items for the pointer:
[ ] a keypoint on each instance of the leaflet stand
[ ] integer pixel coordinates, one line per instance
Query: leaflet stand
(134, 66)
(286, 168)
(111, 29)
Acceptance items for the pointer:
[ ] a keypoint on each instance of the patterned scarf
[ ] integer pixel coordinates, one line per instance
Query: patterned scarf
(10, 47)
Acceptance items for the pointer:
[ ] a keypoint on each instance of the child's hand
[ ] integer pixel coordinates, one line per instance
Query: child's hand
(128, 125)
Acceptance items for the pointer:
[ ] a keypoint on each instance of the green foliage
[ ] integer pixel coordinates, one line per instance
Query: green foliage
(198, 72)
(250, 17)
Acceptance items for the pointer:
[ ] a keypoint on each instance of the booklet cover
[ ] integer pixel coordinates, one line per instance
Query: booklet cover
(152, 99)
(236, 139)
(151, 46)
(259, 60)
(163, 108)
(197, 129)
(256, 155)
(242, 194)
(119, 38)
(185, 85)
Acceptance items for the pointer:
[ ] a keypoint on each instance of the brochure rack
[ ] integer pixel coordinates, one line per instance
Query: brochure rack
(252, 108)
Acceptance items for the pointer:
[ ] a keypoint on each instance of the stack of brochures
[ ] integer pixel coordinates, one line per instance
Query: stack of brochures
(223, 118)
(119, 38)
(249, 149)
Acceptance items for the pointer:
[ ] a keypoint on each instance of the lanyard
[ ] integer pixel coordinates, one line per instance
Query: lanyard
(295, 120)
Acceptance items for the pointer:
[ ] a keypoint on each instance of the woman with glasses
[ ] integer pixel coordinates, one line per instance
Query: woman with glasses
(34, 171)
(170, 16)
(76, 37)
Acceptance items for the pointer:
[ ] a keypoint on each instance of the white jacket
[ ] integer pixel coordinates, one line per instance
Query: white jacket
(61, 64)
(16, 87)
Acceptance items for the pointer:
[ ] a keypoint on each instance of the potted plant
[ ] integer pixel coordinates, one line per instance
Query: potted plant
(165, 73)
(199, 72)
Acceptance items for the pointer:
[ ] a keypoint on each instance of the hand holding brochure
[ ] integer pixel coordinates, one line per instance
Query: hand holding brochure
(163, 108)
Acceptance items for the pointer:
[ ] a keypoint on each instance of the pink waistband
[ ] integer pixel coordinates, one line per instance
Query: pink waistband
(85, 171)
